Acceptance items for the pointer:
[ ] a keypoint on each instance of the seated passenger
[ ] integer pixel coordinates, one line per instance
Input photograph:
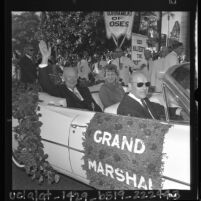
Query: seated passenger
(111, 91)
(76, 96)
(137, 104)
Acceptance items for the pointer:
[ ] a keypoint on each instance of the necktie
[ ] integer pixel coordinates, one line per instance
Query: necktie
(77, 94)
(147, 108)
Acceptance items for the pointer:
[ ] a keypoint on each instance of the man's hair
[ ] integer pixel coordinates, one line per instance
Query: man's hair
(27, 48)
(111, 67)
(70, 67)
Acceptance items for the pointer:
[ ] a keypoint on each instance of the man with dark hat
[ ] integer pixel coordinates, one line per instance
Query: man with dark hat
(28, 68)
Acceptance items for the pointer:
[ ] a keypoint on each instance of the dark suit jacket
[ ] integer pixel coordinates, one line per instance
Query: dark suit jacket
(62, 91)
(28, 70)
(129, 106)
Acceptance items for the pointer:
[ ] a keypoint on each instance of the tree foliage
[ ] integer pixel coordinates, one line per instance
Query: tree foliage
(74, 32)
(24, 27)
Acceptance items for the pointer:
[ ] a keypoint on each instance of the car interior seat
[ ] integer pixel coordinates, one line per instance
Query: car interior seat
(52, 100)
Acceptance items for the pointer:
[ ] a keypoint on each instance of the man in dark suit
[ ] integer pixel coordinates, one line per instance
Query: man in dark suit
(28, 69)
(137, 104)
(76, 96)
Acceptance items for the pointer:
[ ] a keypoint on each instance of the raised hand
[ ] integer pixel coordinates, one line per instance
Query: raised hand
(44, 49)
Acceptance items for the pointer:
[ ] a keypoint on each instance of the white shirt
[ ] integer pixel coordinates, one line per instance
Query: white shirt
(42, 65)
(28, 56)
(75, 91)
(135, 98)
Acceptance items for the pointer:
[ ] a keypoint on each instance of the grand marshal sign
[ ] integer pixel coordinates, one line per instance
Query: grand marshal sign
(124, 152)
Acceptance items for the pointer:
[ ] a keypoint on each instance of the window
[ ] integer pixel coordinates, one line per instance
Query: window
(182, 76)
(173, 101)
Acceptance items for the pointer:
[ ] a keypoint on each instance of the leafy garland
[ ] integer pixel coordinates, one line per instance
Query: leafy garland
(30, 150)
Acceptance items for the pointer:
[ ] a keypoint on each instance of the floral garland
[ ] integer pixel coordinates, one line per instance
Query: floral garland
(27, 133)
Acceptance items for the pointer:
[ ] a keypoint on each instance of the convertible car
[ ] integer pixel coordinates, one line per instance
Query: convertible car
(62, 130)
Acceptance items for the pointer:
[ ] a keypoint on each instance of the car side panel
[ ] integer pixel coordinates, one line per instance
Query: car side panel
(177, 149)
(55, 135)
(77, 131)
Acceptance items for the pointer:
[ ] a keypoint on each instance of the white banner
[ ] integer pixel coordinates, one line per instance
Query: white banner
(139, 43)
(119, 23)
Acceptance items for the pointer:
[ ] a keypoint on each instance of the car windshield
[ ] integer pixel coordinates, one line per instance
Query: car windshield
(182, 76)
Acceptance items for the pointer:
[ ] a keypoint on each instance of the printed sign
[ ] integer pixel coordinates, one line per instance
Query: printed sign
(119, 23)
(124, 153)
(139, 43)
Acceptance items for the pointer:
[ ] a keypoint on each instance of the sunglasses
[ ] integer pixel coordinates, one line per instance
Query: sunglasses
(140, 84)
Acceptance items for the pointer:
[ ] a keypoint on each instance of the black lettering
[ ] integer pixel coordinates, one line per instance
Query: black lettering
(116, 23)
(114, 18)
(119, 23)
(139, 41)
(139, 56)
(119, 13)
(122, 23)
(138, 48)
(141, 49)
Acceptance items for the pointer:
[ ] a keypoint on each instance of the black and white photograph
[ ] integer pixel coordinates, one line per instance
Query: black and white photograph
(103, 100)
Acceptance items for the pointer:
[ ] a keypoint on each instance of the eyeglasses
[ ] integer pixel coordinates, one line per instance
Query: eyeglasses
(140, 84)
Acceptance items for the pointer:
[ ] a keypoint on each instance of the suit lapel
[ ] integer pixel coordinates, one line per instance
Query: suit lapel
(154, 113)
(138, 109)
(71, 94)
